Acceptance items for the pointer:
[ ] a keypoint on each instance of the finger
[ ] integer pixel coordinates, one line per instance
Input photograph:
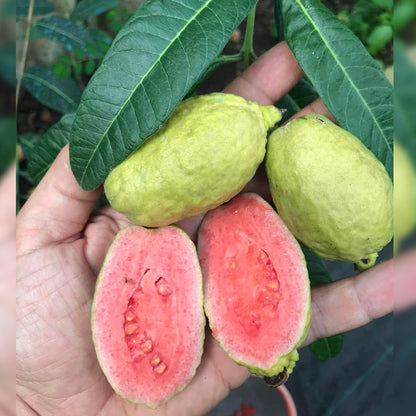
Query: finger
(315, 107)
(269, 78)
(352, 302)
(57, 210)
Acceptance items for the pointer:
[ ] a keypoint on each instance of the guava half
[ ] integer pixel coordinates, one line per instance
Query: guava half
(147, 315)
(256, 286)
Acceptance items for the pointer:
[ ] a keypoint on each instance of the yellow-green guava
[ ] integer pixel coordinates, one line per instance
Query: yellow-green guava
(205, 153)
(332, 192)
(404, 195)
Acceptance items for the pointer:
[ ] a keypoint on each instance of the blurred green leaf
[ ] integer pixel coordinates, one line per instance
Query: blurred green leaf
(89, 67)
(404, 13)
(69, 34)
(86, 9)
(62, 95)
(27, 142)
(92, 50)
(79, 53)
(379, 38)
(78, 69)
(328, 347)
(405, 99)
(65, 59)
(40, 8)
(384, 4)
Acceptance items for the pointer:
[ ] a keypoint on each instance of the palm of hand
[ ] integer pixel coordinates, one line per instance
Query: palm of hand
(61, 352)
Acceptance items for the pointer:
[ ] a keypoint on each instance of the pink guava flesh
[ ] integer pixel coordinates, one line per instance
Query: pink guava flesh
(147, 315)
(256, 285)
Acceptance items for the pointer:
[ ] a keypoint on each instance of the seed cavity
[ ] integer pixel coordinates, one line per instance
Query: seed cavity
(160, 369)
(130, 315)
(131, 328)
(163, 287)
(155, 361)
(146, 346)
(273, 285)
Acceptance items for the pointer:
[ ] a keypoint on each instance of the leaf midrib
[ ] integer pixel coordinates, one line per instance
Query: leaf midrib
(345, 73)
(206, 4)
(52, 87)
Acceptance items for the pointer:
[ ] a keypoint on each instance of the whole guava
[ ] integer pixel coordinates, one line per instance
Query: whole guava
(205, 153)
(331, 191)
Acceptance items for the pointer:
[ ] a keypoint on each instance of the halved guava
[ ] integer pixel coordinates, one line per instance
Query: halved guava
(147, 315)
(256, 286)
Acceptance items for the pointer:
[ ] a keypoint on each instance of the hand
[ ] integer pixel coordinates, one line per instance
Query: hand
(61, 247)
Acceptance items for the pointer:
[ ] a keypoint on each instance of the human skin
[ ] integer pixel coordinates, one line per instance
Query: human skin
(61, 243)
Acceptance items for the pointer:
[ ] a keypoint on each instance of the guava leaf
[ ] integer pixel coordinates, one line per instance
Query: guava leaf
(328, 347)
(86, 9)
(349, 81)
(27, 143)
(71, 35)
(318, 273)
(48, 147)
(60, 94)
(154, 60)
(303, 93)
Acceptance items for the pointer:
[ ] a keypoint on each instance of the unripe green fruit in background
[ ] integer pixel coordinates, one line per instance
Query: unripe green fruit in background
(205, 153)
(331, 191)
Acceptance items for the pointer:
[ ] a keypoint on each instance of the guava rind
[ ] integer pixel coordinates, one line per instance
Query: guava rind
(331, 191)
(199, 326)
(205, 153)
(287, 361)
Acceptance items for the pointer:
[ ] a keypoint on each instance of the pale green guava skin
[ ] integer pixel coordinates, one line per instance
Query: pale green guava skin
(205, 153)
(331, 191)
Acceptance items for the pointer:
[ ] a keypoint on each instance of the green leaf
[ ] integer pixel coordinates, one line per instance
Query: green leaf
(384, 4)
(303, 93)
(65, 59)
(155, 59)
(67, 33)
(89, 67)
(379, 38)
(328, 347)
(62, 95)
(27, 142)
(79, 53)
(86, 9)
(48, 147)
(350, 83)
(92, 50)
(40, 7)
(404, 13)
(78, 69)
(318, 273)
